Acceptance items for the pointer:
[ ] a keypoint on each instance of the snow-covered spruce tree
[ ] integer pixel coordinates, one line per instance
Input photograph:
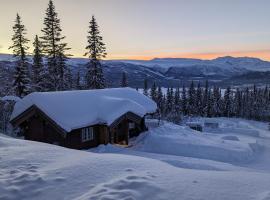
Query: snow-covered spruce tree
(191, 99)
(21, 84)
(169, 101)
(205, 98)
(227, 106)
(237, 103)
(153, 92)
(145, 87)
(68, 80)
(184, 101)
(96, 50)
(198, 100)
(77, 84)
(38, 70)
(54, 49)
(124, 81)
(210, 104)
(176, 110)
(217, 103)
(160, 101)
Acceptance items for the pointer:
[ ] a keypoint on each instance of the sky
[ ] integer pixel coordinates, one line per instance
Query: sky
(146, 29)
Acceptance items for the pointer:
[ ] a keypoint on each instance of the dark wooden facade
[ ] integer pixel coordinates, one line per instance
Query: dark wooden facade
(37, 126)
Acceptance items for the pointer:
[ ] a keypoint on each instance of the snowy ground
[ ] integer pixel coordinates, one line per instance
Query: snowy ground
(167, 162)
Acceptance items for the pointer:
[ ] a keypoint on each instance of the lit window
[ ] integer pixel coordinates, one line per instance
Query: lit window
(131, 125)
(87, 134)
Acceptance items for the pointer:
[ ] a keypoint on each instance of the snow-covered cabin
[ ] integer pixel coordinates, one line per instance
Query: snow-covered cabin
(84, 118)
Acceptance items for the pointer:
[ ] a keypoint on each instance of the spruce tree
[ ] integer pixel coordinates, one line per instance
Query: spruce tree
(145, 87)
(198, 100)
(160, 100)
(21, 84)
(153, 92)
(227, 102)
(124, 82)
(38, 71)
(184, 101)
(78, 81)
(205, 98)
(96, 50)
(191, 99)
(54, 48)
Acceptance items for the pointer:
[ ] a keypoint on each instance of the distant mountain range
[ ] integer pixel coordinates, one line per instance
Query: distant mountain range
(175, 71)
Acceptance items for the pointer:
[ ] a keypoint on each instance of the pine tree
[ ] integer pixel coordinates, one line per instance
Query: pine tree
(160, 101)
(96, 50)
(78, 81)
(153, 92)
(38, 71)
(191, 99)
(227, 102)
(68, 79)
(145, 87)
(169, 101)
(184, 102)
(21, 82)
(124, 82)
(176, 106)
(217, 104)
(198, 100)
(205, 98)
(54, 48)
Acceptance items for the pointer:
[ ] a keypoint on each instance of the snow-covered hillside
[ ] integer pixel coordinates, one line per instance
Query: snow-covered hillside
(171, 71)
(164, 163)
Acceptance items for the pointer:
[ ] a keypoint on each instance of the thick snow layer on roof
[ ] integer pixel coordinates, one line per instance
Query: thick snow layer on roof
(10, 98)
(76, 109)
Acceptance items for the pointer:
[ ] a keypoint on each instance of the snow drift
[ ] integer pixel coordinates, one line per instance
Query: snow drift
(181, 141)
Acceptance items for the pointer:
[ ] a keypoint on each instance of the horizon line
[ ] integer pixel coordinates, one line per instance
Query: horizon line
(148, 58)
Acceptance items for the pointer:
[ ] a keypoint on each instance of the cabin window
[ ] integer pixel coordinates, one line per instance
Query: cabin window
(131, 125)
(87, 134)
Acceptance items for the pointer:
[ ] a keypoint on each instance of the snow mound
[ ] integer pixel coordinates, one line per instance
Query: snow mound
(181, 141)
(76, 109)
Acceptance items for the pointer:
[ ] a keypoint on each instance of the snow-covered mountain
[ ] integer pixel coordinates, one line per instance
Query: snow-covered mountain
(169, 71)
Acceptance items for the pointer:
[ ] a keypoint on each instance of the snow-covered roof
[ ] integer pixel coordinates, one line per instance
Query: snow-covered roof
(81, 108)
(10, 98)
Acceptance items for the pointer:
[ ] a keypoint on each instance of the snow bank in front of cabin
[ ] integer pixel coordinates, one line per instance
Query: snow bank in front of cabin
(32, 170)
(76, 109)
(182, 141)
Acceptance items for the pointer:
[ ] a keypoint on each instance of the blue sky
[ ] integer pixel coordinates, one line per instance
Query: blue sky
(144, 29)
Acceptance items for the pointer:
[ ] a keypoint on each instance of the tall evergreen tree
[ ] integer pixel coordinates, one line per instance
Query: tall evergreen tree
(160, 100)
(153, 92)
(227, 102)
(55, 49)
(21, 82)
(96, 50)
(191, 99)
(184, 102)
(205, 98)
(124, 82)
(198, 100)
(78, 81)
(145, 87)
(38, 71)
